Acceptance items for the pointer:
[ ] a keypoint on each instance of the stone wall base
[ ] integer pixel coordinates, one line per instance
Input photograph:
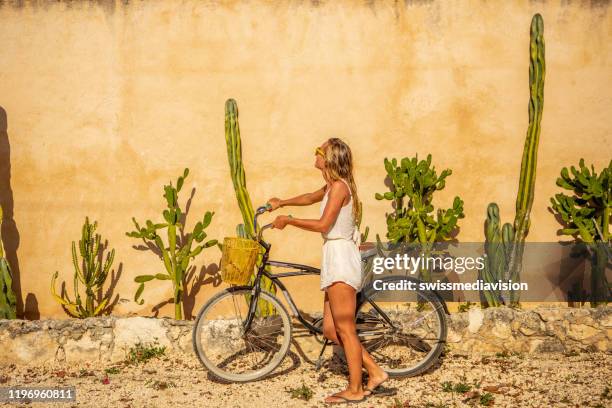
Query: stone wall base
(108, 339)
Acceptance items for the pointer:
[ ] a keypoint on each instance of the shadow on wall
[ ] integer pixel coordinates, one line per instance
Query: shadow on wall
(208, 275)
(10, 233)
(193, 283)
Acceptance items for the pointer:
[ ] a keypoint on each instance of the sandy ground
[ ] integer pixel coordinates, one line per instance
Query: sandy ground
(545, 380)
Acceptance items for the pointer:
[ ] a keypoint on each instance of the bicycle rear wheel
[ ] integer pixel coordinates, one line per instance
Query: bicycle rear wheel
(404, 337)
(230, 353)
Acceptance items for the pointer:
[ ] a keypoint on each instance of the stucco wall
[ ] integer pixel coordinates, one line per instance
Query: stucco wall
(102, 103)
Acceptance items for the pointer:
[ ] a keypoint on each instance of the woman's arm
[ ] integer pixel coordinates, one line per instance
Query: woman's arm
(301, 200)
(337, 193)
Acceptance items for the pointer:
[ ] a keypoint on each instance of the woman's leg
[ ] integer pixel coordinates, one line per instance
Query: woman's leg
(376, 375)
(342, 305)
(329, 330)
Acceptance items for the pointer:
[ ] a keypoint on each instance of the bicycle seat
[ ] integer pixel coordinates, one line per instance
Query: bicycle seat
(367, 250)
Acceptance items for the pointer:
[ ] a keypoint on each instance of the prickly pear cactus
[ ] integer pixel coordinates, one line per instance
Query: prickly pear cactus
(586, 215)
(8, 301)
(414, 219)
(512, 256)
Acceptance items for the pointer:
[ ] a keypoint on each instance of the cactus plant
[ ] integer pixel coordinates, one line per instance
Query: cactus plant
(90, 271)
(586, 216)
(8, 301)
(505, 247)
(498, 246)
(179, 251)
(364, 234)
(247, 229)
(413, 184)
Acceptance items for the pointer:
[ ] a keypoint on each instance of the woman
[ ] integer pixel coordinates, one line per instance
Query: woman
(341, 264)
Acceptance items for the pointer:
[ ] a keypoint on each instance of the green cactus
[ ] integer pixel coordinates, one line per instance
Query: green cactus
(364, 235)
(91, 272)
(413, 184)
(498, 247)
(246, 229)
(586, 216)
(505, 262)
(8, 301)
(179, 251)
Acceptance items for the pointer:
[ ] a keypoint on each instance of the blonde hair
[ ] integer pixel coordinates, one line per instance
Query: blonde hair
(339, 165)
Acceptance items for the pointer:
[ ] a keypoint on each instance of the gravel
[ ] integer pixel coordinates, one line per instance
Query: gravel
(502, 380)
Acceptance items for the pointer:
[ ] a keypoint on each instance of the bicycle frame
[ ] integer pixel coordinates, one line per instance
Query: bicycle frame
(385, 327)
(299, 270)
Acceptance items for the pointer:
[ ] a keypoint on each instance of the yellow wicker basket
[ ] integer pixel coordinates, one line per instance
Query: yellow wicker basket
(238, 260)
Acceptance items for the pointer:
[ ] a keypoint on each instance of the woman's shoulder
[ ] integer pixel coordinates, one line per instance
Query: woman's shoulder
(340, 185)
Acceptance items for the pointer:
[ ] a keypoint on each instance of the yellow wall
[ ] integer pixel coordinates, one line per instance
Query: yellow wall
(106, 102)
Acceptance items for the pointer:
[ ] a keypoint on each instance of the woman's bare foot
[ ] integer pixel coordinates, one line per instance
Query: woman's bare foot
(374, 380)
(351, 396)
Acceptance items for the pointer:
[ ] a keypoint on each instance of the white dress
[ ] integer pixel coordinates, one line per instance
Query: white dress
(341, 259)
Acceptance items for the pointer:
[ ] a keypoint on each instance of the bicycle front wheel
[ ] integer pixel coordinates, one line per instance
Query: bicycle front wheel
(404, 338)
(227, 350)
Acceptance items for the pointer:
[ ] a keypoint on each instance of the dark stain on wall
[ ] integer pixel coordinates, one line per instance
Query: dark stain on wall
(409, 3)
(599, 3)
(107, 5)
(583, 3)
(110, 5)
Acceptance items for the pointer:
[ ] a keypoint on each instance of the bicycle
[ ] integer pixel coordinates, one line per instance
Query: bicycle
(236, 342)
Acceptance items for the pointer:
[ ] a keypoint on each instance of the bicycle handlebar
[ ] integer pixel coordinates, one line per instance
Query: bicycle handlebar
(260, 211)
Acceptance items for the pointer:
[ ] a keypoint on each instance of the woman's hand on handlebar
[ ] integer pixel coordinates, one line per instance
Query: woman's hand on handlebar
(274, 203)
(281, 221)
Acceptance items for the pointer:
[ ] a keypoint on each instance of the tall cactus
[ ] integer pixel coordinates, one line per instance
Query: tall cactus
(234, 154)
(8, 301)
(90, 271)
(505, 261)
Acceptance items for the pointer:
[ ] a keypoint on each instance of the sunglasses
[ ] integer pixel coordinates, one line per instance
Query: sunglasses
(320, 152)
